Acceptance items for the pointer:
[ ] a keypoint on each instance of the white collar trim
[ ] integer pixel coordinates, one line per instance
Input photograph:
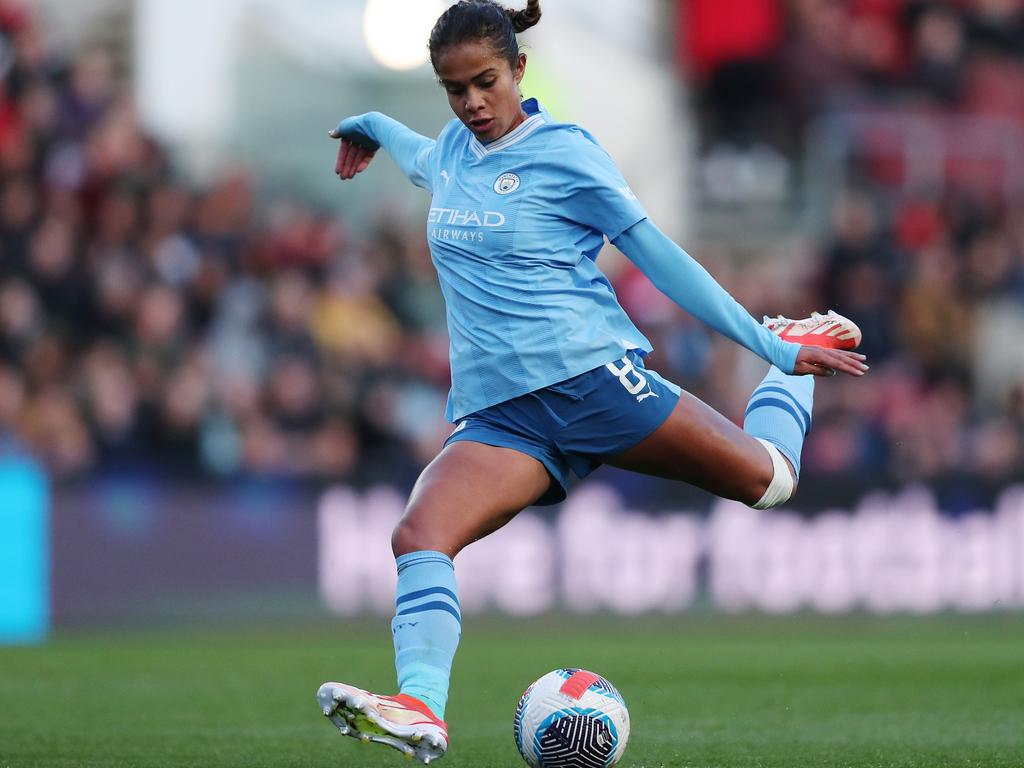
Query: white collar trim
(528, 126)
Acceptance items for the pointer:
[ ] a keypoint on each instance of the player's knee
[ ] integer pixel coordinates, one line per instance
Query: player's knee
(414, 533)
(406, 537)
(780, 487)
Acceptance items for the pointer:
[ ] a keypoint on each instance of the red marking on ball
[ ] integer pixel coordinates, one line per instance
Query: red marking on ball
(578, 683)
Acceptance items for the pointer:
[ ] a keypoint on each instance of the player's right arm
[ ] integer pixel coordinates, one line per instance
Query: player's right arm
(361, 136)
(680, 277)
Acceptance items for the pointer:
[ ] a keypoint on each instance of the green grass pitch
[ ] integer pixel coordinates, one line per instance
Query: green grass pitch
(702, 692)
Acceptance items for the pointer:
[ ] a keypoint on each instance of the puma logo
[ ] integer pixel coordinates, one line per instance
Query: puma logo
(645, 395)
(446, 177)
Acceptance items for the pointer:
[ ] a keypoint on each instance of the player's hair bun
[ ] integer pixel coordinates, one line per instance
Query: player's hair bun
(486, 20)
(523, 20)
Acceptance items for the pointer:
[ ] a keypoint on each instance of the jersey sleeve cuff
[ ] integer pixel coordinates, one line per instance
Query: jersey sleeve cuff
(786, 357)
(615, 233)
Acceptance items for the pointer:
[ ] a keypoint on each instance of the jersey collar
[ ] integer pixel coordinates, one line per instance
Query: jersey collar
(534, 121)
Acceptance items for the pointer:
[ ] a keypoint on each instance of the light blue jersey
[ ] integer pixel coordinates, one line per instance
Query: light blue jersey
(514, 229)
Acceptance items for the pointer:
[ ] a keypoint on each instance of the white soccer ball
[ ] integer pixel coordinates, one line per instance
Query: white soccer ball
(571, 718)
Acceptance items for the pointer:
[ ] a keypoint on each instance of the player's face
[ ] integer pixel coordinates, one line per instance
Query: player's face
(482, 88)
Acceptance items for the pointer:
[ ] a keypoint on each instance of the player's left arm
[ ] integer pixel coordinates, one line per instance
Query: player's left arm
(680, 277)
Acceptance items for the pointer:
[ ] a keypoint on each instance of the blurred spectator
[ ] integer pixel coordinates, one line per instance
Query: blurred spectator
(12, 404)
(52, 426)
(731, 49)
(939, 54)
(996, 26)
(861, 272)
(935, 321)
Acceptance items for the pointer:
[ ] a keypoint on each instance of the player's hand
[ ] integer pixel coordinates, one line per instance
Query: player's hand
(355, 151)
(352, 159)
(821, 361)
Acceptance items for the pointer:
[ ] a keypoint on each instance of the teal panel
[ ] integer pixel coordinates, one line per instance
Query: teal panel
(24, 552)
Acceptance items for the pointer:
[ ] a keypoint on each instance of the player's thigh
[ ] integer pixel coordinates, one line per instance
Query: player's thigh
(468, 491)
(698, 445)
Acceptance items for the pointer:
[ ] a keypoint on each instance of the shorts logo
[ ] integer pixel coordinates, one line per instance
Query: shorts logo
(506, 184)
(630, 378)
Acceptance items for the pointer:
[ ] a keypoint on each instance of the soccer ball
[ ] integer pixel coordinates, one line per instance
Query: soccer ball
(571, 718)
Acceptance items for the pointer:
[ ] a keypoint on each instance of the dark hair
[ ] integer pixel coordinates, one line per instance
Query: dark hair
(472, 20)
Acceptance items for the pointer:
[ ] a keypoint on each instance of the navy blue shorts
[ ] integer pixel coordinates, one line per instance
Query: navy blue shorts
(578, 422)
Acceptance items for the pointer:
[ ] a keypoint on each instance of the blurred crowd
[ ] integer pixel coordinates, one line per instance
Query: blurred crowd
(149, 325)
(766, 69)
(925, 246)
(937, 289)
(146, 325)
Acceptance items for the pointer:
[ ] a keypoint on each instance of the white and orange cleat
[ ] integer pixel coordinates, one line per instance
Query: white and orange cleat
(402, 722)
(831, 330)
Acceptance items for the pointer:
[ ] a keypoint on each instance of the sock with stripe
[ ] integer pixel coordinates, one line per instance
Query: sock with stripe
(780, 412)
(426, 627)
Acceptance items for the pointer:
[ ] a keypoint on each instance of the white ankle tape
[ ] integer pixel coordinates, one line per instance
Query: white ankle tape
(781, 487)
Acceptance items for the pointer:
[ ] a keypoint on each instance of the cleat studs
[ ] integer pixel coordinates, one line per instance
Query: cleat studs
(365, 738)
(327, 711)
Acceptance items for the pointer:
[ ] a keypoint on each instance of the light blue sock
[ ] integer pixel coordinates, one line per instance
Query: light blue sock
(427, 627)
(780, 412)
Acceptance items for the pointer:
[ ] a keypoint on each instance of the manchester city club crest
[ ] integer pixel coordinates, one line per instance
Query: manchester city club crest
(506, 184)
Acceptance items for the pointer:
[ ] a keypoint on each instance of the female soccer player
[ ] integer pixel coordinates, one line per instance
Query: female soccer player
(548, 372)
